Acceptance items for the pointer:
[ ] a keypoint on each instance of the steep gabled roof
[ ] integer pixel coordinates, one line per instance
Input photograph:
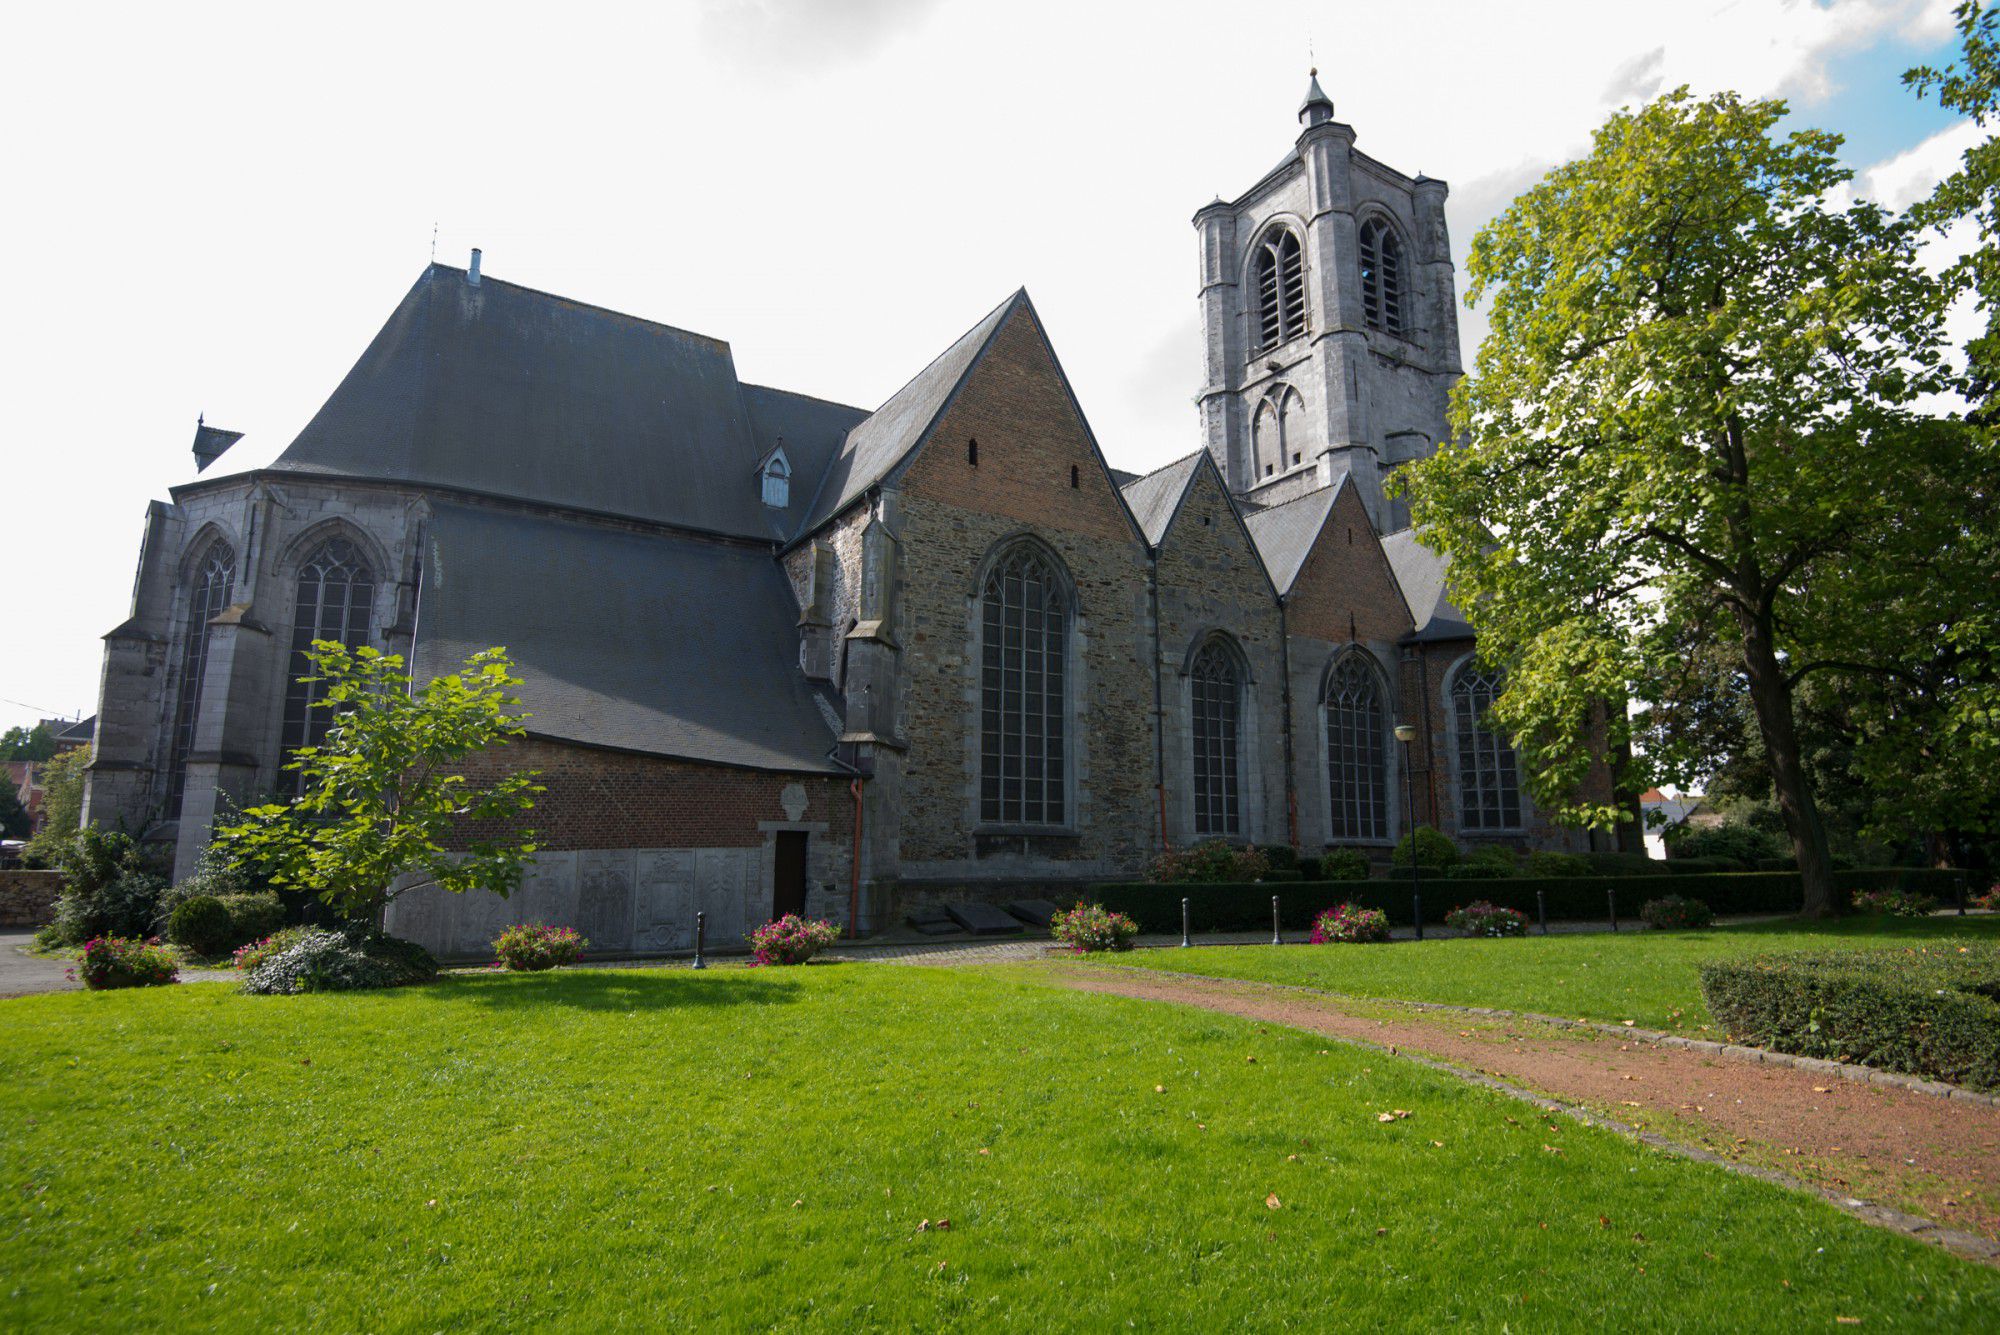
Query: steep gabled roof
(1422, 573)
(811, 429)
(1284, 534)
(507, 391)
(882, 440)
(666, 644)
(1155, 497)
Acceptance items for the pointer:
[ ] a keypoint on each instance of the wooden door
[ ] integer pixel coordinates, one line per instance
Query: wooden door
(788, 879)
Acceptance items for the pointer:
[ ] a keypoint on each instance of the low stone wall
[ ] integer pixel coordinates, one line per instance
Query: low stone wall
(28, 898)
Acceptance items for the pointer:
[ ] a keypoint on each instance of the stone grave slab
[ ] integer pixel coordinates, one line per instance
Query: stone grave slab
(1034, 912)
(932, 920)
(983, 919)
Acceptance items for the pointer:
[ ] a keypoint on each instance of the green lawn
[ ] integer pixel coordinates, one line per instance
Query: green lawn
(1648, 977)
(750, 1148)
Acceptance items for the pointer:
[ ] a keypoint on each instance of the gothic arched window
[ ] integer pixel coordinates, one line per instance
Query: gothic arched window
(208, 593)
(1357, 751)
(1489, 779)
(336, 595)
(1382, 277)
(1023, 697)
(778, 482)
(1281, 288)
(1215, 707)
(1267, 442)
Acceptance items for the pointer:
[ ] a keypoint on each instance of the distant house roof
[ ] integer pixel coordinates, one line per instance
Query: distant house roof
(1155, 497)
(77, 734)
(666, 644)
(877, 444)
(1284, 534)
(499, 389)
(1421, 574)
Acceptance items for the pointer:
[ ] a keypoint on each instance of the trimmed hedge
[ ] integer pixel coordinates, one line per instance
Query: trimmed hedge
(1246, 907)
(1923, 1010)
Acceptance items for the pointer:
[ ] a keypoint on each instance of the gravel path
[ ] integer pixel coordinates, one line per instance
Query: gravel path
(1938, 1158)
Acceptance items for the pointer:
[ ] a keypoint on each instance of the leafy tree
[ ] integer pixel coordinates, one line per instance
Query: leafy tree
(14, 822)
(62, 806)
(36, 743)
(386, 797)
(1692, 429)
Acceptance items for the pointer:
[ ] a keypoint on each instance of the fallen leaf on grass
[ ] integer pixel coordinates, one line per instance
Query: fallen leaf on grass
(1159, 1089)
(1552, 1149)
(1822, 1089)
(1271, 1202)
(1847, 1321)
(1632, 1103)
(984, 1150)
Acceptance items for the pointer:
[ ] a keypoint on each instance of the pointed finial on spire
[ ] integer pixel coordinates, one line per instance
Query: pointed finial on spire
(1317, 109)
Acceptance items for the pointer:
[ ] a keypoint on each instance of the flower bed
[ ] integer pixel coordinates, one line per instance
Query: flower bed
(531, 947)
(1092, 927)
(1676, 912)
(1480, 918)
(1350, 923)
(792, 939)
(117, 961)
(1895, 903)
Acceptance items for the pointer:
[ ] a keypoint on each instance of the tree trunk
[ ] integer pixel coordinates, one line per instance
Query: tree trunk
(1771, 697)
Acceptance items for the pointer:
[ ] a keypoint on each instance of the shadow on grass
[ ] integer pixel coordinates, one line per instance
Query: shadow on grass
(1936, 926)
(600, 989)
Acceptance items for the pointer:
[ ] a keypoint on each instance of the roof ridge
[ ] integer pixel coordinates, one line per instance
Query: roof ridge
(800, 394)
(1171, 463)
(487, 278)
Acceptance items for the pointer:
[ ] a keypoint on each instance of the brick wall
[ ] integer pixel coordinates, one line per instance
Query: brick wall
(609, 799)
(28, 898)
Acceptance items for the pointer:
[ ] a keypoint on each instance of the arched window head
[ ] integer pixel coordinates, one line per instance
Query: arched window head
(777, 481)
(1215, 711)
(209, 587)
(336, 597)
(1489, 779)
(1023, 691)
(1280, 276)
(1357, 750)
(1382, 277)
(1267, 444)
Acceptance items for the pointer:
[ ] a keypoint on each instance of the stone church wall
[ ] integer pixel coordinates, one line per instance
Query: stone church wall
(1210, 579)
(632, 846)
(953, 515)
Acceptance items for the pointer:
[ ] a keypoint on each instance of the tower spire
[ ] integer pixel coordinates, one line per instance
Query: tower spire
(1317, 109)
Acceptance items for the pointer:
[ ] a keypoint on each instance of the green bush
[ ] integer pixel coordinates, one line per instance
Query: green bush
(1744, 845)
(214, 876)
(1283, 874)
(1343, 864)
(1925, 1010)
(248, 957)
(1676, 911)
(352, 959)
(1623, 864)
(1280, 857)
(202, 924)
(1485, 864)
(1703, 866)
(1433, 851)
(252, 917)
(108, 890)
(1546, 863)
(1311, 869)
(1211, 860)
(1245, 907)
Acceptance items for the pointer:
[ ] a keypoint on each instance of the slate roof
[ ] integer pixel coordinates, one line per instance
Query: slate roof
(812, 431)
(879, 443)
(512, 392)
(1284, 534)
(667, 644)
(1155, 497)
(1421, 573)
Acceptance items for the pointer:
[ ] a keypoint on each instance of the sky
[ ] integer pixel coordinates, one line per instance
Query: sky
(214, 207)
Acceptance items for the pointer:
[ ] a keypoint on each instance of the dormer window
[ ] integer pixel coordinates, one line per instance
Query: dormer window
(777, 481)
(1281, 288)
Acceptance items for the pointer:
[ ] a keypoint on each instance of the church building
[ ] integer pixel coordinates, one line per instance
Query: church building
(782, 654)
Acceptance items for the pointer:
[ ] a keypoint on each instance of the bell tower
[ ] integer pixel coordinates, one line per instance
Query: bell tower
(1329, 321)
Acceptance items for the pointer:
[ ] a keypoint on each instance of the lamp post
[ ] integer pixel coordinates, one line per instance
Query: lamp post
(1407, 733)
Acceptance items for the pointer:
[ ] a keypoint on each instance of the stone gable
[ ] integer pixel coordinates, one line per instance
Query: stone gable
(1345, 590)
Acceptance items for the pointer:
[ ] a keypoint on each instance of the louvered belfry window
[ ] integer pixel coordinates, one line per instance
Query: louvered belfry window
(1216, 705)
(1382, 277)
(208, 594)
(335, 602)
(1357, 752)
(1281, 288)
(1489, 780)
(1024, 718)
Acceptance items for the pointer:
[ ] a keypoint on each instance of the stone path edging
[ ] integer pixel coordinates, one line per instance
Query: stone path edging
(1867, 1075)
(1970, 1246)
